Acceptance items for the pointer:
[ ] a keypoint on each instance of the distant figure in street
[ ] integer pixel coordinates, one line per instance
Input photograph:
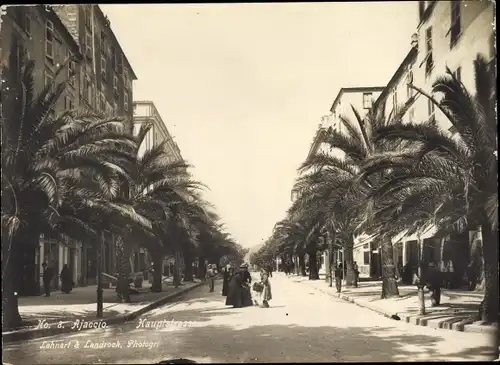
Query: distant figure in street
(449, 275)
(338, 277)
(356, 274)
(66, 279)
(434, 281)
(400, 270)
(472, 275)
(210, 277)
(48, 275)
(407, 274)
(270, 270)
(228, 273)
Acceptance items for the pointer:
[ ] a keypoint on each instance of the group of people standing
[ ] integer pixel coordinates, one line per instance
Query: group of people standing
(236, 287)
(66, 279)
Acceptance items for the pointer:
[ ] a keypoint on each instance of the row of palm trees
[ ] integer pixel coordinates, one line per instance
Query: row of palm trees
(79, 175)
(398, 177)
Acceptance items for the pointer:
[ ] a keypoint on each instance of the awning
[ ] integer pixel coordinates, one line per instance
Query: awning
(362, 239)
(426, 233)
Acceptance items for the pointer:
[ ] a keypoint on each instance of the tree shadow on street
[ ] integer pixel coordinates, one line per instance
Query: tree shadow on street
(218, 334)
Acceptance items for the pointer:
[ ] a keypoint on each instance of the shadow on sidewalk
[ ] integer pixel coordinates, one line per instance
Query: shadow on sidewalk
(273, 338)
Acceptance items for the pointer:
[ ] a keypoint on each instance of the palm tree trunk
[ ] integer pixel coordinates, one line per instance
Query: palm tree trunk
(201, 267)
(490, 256)
(124, 251)
(302, 264)
(188, 266)
(177, 269)
(10, 272)
(313, 265)
(158, 271)
(349, 263)
(389, 282)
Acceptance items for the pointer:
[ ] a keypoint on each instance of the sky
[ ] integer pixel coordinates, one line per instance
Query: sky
(242, 87)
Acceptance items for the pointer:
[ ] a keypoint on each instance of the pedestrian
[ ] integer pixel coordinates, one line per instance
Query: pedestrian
(48, 275)
(210, 277)
(338, 277)
(356, 274)
(450, 272)
(228, 273)
(239, 289)
(265, 295)
(66, 279)
(472, 275)
(433, 279)
(270, 270)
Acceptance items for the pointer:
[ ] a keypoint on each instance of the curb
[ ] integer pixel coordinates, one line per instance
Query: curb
(31, 334)
(467, 325)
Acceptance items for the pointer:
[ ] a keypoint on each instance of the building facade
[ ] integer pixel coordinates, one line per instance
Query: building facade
(361, 98)
(146, 112)
(78, 37)
(449, 34)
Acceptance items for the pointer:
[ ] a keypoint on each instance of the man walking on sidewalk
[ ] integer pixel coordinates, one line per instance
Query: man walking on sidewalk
(211, 272)
(338, 277)
(48, 275)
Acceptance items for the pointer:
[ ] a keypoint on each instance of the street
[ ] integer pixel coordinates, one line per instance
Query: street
(302, 325)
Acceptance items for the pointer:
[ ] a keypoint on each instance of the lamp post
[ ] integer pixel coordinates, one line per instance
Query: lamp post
(99, 277)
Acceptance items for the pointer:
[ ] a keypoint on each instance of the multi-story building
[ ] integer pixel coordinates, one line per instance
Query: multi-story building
(361, 98)
(451, 34)
(146, 112)
(36, 32)
(99, 77)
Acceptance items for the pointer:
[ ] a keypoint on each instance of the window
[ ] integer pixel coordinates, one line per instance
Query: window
(27, 25)
(367, 100)
(103, 67)
(430, 107)
(87, 88)
(458, 73)
(68, 103)
(125, 100)
(71, 71)
(102, 104)
(126, 80)
(455, 22)
(115, 85)
(411, 115)
(119, 62)
(429, 62)
(49, 41)
(409, 92)
(104, 43)
(366, 258)
(49, 78)
(88, 44)
(395, 101)
(88, 17)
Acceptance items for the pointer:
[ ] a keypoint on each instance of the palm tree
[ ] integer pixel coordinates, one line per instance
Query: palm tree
(161, 191)
(40, 153)
(457, 173)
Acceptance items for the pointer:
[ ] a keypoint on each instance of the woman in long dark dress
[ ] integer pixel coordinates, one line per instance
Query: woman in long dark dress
(246, 291)
(228, 274)
(234, 293)
(66, 279)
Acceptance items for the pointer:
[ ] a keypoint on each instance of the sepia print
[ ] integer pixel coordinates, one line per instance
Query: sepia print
(249, 182)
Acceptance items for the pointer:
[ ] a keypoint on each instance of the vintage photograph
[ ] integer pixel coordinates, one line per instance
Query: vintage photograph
(249, 182)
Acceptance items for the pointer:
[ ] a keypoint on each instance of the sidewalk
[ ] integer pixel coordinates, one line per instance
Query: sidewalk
(458, 310)
(80, 304)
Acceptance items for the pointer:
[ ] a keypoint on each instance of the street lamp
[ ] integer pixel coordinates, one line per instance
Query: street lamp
(99, 277)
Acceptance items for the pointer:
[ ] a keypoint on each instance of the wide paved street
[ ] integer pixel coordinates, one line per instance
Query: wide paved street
(302, 325)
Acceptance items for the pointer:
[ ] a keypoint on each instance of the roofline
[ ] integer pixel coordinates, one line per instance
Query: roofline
(355, 89)
(61, 28)
(105, 18)
(410, 56)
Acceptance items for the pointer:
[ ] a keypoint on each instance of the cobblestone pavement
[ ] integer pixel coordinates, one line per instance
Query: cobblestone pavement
(302, 325)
